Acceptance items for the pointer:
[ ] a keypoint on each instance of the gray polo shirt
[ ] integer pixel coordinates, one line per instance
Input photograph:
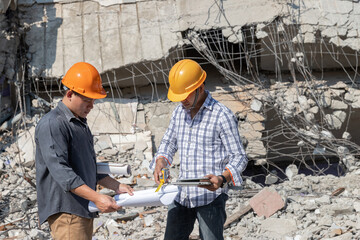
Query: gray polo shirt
(65, 159)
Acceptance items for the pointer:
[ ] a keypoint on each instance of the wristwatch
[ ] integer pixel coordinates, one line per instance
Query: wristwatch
(223, 184)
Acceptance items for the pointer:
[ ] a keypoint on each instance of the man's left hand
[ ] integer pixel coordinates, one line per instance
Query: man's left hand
(216, 182)
(123, 188)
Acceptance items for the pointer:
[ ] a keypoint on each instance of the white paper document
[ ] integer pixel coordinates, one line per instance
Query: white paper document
(164, 196)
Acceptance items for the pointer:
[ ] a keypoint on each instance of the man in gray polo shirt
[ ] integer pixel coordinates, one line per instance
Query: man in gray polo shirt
(66, 174)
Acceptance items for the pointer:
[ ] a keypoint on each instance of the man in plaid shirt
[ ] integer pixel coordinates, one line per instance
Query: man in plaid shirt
(206, 135)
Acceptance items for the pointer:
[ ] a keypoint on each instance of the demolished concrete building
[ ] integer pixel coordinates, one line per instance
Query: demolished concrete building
(296, 60)
(288, 70)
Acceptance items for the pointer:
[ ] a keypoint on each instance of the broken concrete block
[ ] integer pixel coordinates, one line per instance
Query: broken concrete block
(335, 232)
(303, 103)
(148, 220)
(227, 32)
(325, 99)
(249, 135)
(327, 134)
(336, 104)
(345, 236)
(349, 97)
(341, 209)
(323, 200)
(346, 136)
(36, 234)
(291, 171)
(254, 117)
(349, 160)
(279, 226)
(258, 126)
(356, 104)
(261, 162)
(104, 142)
(123, 142)
(271, 179)
(309, 38)
(314, 110)
(113, 228)
(111, 151)
(255, 149)
(26, 143)
(97, 149)
(310, 205)
(335, 120)
(341, 150)
(309, 117)
(266, 202)
(256, 105)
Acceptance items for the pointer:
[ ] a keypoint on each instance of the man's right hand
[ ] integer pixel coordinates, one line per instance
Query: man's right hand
(160, 164)
(103, 202)
(106, 204)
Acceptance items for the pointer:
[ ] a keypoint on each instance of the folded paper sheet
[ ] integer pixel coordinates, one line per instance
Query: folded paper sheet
(164, 196)
(113, 168)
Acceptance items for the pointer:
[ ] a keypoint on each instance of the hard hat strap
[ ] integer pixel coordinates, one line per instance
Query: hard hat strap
(196, 98)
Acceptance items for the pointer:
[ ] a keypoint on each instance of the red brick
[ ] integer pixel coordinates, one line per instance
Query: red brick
(266, 202)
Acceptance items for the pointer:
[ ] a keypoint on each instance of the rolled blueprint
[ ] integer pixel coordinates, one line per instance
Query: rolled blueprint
(113, 168)
(164, 196)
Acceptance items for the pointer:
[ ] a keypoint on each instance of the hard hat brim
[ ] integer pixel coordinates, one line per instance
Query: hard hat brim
(177, 97)
(92, 95)
(95, 95)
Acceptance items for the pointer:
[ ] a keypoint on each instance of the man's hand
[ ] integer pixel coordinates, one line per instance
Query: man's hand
(106, 204)
(103, 202)
(123, 188)
(113, 184)
(216, 182)
(160, 164)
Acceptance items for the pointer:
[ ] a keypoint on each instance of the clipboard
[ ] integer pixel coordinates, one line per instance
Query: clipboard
(192, 182)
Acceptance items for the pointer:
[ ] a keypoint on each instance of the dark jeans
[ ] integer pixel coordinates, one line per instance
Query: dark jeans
(211, 218)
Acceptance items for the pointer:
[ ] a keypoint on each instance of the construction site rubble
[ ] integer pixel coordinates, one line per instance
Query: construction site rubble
(301, 207)
(310, 212)
(288, 70)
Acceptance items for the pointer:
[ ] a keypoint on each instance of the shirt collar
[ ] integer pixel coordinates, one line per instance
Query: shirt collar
(209, 101)
(68, 114)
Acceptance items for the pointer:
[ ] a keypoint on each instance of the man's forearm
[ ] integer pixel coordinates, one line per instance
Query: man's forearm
(109, 183)
(86, 192)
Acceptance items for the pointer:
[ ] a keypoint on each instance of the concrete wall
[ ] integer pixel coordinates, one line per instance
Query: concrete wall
(111, 34)
(115, 33)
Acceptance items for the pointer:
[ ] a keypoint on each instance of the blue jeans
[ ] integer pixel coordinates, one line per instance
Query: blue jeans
(211, 218)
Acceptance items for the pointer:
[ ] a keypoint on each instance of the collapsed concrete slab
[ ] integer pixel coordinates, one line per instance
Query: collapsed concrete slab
(148, 30)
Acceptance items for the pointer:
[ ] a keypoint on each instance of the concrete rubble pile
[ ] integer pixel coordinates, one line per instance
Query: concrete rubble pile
(127, 131)
(313, 210)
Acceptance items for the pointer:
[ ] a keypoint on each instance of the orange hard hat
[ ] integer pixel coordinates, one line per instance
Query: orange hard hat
(184, 78)
(84, 79)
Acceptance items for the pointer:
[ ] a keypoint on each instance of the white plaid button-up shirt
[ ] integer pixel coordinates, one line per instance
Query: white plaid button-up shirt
(207, 144)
